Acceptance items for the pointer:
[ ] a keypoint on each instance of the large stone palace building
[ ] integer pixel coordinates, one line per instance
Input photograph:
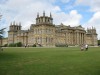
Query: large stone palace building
(47, 34)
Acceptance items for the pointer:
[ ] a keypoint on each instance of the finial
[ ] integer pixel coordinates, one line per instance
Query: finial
(50, 15)
(87, 28)
(43, 13)
(11, 23)
(14, 23)
(61, 23)
(37, 14)
(19, 23)
(92, 27)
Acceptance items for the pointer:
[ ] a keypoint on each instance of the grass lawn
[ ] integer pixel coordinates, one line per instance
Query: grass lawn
(50, 61)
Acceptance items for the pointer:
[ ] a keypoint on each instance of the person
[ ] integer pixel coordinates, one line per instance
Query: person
(86, 47)
(82, 47)
(25, 46)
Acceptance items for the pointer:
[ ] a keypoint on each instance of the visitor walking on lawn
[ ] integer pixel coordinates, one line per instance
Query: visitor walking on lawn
(86, 47)
(82, 47)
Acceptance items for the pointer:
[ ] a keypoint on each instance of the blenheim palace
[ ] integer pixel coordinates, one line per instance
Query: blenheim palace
(47, 34)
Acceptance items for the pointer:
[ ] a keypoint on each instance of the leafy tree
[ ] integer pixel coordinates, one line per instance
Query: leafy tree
(1, 34)
(98, 42)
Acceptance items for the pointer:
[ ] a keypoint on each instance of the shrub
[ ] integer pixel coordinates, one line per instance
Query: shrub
(34, 45)
(12, 45)
(5, 45)
(61, 45)
(19, 44)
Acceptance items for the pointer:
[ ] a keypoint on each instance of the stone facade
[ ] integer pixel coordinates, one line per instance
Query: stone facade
(47, 34)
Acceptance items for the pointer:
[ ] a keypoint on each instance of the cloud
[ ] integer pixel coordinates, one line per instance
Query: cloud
(72, 18)
(75, 18)
(95, 8)
(95, 22)
(94, 4)
(25, 11)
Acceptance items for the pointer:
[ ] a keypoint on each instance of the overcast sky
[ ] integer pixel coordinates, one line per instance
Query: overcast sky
(68, 12)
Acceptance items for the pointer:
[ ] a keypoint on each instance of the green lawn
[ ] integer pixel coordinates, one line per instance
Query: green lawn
(50, 61)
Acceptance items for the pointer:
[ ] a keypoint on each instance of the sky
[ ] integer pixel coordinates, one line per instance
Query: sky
(68, 12)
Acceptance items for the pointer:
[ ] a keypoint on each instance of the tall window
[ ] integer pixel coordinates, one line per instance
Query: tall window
(46, 39)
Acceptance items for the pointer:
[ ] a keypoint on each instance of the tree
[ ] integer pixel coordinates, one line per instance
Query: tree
(1, 33)
(99, 42)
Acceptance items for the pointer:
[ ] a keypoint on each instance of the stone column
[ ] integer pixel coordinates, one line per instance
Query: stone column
(75, 38)
(78, 38)
(69, 38)
(82, 38)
